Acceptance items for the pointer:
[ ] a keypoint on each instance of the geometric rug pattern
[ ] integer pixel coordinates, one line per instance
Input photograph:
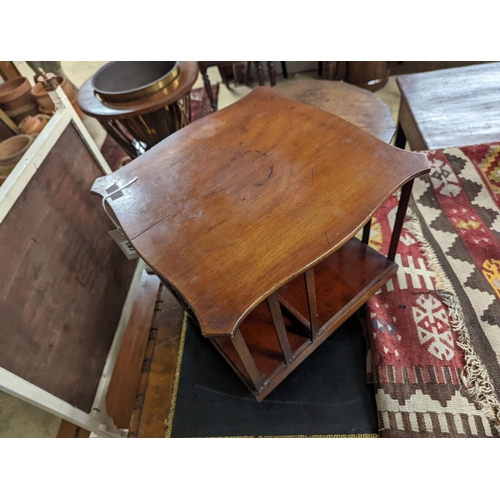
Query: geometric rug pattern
(434, 328)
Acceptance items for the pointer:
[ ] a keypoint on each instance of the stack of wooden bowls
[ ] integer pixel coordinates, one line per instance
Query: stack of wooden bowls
(16, 99)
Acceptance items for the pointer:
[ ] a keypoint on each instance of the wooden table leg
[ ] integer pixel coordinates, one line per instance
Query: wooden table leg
(224, 75)
(248, 72)
(400, 217)
(272, 73)
(208, 86)
(366, 232)
(400, 138)
(283, 69)
(332, 66)
(260, 73)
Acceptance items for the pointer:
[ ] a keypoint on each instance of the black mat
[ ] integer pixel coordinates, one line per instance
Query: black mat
(325, 395)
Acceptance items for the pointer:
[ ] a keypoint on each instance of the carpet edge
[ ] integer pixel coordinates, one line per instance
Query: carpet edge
(474, 375)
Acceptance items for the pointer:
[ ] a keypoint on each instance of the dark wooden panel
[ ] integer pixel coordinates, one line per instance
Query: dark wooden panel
(370, 75)
(63, 280)
(69, 430)
(125, 379)
(154, 398)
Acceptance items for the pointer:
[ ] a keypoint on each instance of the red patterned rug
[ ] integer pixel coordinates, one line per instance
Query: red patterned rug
(434, 328)
(200, 107)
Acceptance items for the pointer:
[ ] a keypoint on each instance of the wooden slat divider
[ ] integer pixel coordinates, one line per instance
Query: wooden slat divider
(311, 302)
(279, 325)
(294, 312)
(247, 360)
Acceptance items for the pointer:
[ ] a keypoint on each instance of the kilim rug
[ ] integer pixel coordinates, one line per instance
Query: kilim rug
(434, 328)
(116, 157)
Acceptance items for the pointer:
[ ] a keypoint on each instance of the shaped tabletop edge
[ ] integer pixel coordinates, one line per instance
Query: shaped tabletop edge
(412, 165)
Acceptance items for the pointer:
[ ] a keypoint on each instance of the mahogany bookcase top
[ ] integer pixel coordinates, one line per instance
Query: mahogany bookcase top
(235, 205)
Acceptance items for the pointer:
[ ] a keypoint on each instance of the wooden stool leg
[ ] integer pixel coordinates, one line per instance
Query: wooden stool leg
(260, 73)
(283, 69)
(225, 78)
(332, 66)
(272, 73)
(248, 72)
(208, 87)
(247, 360)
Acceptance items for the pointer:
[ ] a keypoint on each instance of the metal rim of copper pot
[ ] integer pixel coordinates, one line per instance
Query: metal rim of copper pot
(141, 92)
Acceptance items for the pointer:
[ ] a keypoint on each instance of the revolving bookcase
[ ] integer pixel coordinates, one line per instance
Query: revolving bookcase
(249, 216)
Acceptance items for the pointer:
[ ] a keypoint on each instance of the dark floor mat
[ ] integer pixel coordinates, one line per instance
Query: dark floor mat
(326, 395)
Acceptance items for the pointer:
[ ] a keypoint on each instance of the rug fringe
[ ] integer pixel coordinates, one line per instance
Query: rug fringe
(474, 375)
(169, 421)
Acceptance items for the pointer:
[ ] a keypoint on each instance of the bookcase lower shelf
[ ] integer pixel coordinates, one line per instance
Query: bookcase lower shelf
(277, 338)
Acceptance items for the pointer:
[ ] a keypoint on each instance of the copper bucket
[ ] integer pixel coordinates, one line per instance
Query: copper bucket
(120, 82)
(131, 85)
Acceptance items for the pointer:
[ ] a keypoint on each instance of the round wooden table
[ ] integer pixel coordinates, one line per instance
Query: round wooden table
(358, 106)
(143, 123)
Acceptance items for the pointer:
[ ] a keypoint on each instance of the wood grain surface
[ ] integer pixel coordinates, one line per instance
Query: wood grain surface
(153, 400)
(63, 280)
(451, 107)
(235, 205)
(125, 378)
(358, 106)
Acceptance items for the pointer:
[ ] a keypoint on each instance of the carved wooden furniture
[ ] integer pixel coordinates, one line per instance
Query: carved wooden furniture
(358, 106)
(66, 287)
(140, 124)
(370, 75)
(450, 107)
(249, 215)
(222, 66)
